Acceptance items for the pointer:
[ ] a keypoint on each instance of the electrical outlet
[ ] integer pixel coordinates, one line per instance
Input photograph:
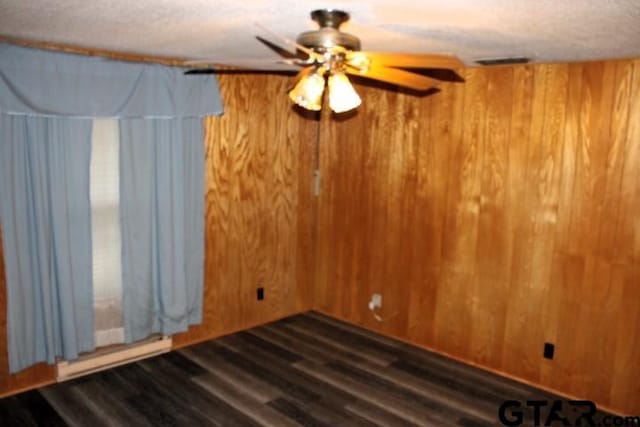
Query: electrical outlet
(376, 302)
(549, 349)
(260, 294)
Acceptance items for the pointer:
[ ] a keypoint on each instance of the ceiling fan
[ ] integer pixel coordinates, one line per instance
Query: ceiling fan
(328, 55)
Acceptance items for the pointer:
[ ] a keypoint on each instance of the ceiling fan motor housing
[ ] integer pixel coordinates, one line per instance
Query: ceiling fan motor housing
(329, 35)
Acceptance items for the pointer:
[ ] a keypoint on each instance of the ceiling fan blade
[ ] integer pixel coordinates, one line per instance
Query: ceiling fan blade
(280, 50)
(240, 63)
(403, 60)
(395, 76)
(201, 71)
(304, 49)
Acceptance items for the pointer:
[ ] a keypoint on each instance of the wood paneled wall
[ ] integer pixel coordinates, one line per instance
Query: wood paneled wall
(259, 165)
(259, 207)
(495, 216)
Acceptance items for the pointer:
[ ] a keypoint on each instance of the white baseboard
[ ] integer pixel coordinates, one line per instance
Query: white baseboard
(104, 360)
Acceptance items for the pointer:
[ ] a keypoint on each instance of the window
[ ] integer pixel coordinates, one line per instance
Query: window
(105, 233)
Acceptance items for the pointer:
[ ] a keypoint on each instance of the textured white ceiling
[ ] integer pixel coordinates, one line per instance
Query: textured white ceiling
(545, 30)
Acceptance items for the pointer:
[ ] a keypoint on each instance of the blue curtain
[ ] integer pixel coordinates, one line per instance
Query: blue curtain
(47, 102)
(61, 84)
(162, 223)
(44, 206)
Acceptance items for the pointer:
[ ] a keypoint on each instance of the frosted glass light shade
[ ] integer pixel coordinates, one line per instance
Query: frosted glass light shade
(342, 95)
(308, 92)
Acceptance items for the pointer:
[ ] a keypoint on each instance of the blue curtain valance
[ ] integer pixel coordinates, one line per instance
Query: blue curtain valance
(38, 82)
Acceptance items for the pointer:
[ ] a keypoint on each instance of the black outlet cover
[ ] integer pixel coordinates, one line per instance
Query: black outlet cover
(549, 349)
(260, 294)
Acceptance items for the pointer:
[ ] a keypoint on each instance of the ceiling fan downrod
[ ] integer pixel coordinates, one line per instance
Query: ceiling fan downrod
(329, 17)
(328, 36)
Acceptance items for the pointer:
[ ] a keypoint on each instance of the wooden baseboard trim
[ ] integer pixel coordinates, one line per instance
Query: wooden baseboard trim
(606, 408)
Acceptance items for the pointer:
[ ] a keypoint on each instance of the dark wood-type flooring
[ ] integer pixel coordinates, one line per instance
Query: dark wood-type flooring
(305, 370)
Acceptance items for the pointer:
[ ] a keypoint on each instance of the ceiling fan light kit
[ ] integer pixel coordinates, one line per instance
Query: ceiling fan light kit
(307, 93)
(342, 96)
